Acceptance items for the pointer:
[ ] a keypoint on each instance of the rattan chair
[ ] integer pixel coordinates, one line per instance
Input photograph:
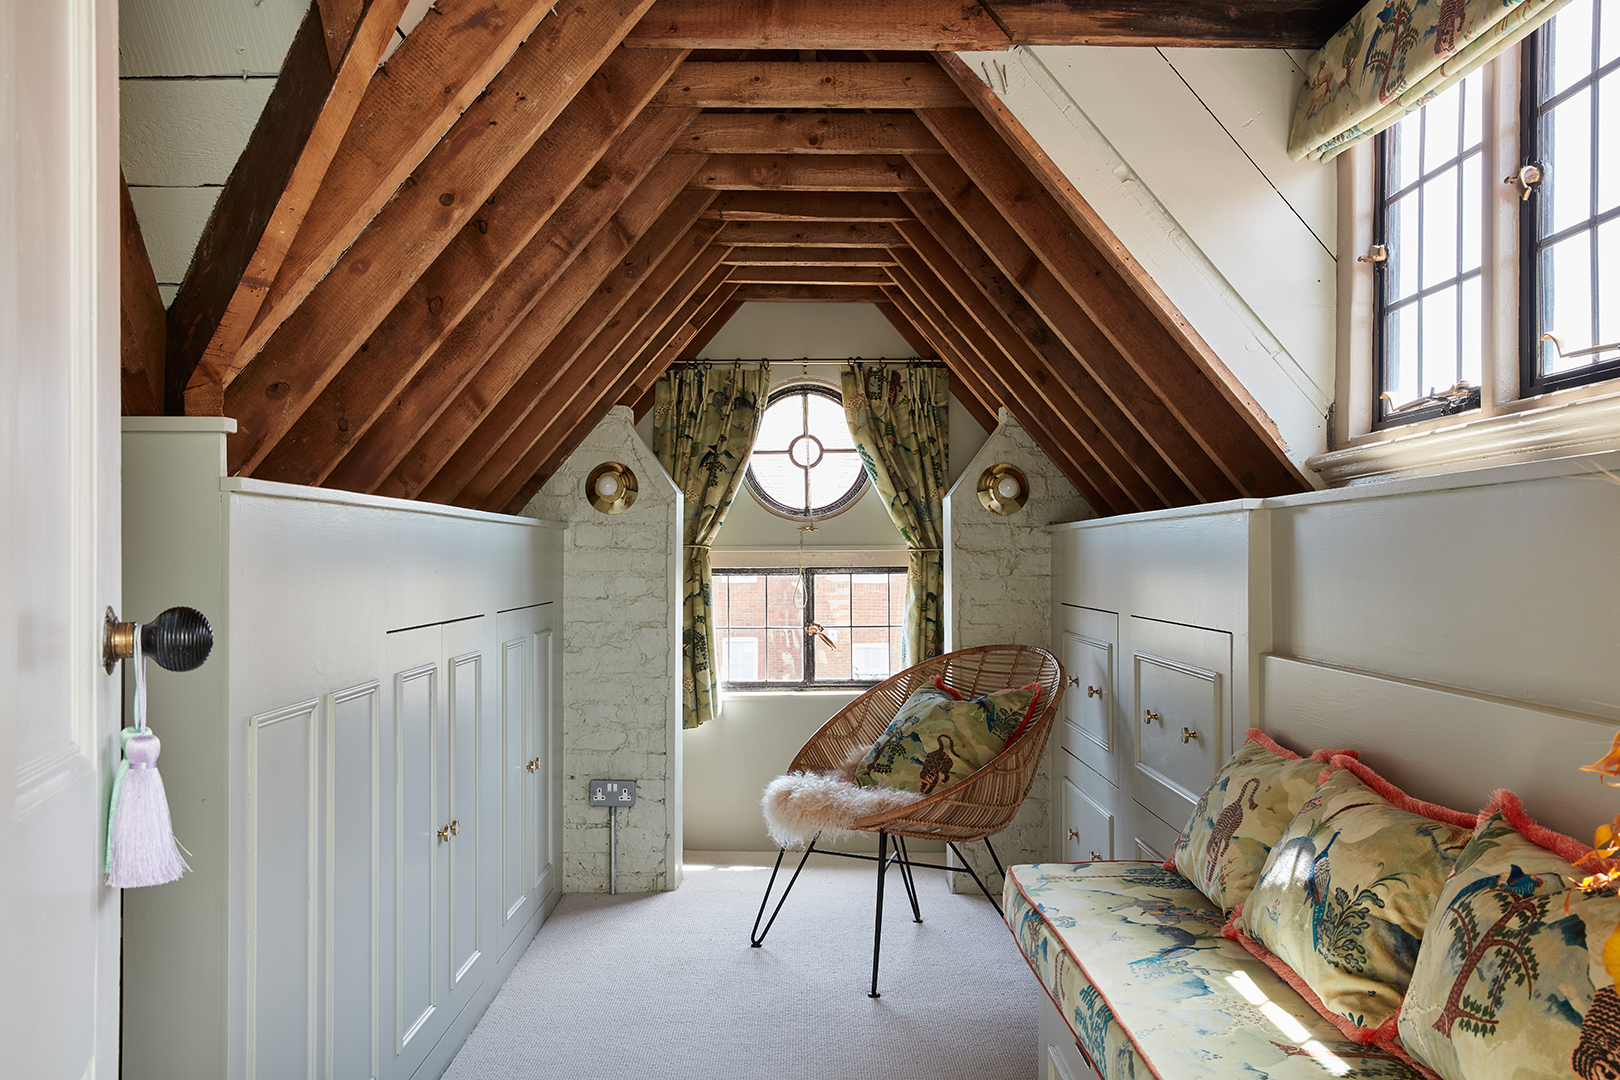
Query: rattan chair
(974, 809)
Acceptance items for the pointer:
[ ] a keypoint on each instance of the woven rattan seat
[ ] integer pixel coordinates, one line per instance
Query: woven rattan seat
(976, 808)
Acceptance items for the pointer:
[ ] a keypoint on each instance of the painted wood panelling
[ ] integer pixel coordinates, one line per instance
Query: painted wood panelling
(353, 863)
(186, 132)
(205, 37)
(172, 218)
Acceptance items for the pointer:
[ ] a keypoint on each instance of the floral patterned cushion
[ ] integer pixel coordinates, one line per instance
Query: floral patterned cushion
(1517, 973)
(1133, 958)
(1341, 905)
(1244, 812)
(938, 739)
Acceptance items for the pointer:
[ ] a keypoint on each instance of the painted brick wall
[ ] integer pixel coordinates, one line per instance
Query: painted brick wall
(999, 579)
(621, 650)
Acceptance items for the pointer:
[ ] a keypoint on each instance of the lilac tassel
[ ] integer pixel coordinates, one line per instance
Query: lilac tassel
(141, 848)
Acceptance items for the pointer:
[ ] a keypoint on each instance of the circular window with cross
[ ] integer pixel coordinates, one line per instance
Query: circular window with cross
(805, 465)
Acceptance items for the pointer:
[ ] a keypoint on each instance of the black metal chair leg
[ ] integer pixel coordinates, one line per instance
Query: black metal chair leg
(756, 936)
(906, 876)
(974, 874)
(877, 924)
(999, 865)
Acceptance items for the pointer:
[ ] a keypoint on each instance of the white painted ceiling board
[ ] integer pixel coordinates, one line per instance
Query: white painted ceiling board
(1294, 391)
(186, 132)
(763, 330)
(205, 37)
(1251, 92)
(1211, 188)
(172, 220)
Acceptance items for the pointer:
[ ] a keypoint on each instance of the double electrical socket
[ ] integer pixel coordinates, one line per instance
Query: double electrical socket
(613, 793)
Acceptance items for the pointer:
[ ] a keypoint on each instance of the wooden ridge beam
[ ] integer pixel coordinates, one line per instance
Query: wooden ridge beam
(1253, 24)
(925, 25)
(479, 253)
(796, 172)
(505, 351)
(807, 256)
(1007, 366)
(815, 235)
(827, 208)
(811, 294)
(810, 275)
(608, 294)
(267, 195)
(816, 85)
(807, 133)
(586, 387)
(952, 253)
(1115, 290)
(1084, 345)
(435, 85)
(140, 317)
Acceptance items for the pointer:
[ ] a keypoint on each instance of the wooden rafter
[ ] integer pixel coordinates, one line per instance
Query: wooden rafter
(1258, 24)
(808, 256)
(871, 134)
(929, 25)
(141, 328)
(796, 172)
(824, 85)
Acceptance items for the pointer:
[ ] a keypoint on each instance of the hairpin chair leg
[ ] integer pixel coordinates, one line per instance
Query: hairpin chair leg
(907, 876)
(877, 924)
(995, 859)
(756, 937)
(974, 874)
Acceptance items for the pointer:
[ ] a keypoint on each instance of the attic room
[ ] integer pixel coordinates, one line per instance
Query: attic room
(531, 396)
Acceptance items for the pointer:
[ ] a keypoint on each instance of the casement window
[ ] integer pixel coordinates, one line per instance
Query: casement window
(1461, 298)
(816, 628)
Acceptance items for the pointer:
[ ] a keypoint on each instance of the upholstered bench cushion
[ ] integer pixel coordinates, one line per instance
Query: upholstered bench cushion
(1133, 957)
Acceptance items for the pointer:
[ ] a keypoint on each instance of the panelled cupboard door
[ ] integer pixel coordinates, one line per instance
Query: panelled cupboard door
(1181, 681)
(1089, 642)
(524, 644)
(465, 646)
(1087, 820)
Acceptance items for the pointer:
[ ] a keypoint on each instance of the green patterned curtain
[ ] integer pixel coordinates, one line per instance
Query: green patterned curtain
(705, 420)
(1393, 57)
(897, 416)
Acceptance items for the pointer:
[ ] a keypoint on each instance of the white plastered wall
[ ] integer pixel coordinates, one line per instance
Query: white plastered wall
(998, 581)
(621, 663)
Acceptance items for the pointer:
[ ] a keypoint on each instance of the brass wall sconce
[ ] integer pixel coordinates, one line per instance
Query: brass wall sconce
(1003, 490)
(611, 487)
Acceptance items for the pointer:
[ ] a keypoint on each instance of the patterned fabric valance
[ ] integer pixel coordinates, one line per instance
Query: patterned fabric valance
(1393, 57)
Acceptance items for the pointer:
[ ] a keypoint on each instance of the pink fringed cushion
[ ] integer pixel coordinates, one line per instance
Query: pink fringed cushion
(1231, 832)
(1516, 978)
(1347, 892)
(799, 806)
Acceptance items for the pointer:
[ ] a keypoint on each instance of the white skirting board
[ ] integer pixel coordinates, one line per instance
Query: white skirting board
(1442, 744)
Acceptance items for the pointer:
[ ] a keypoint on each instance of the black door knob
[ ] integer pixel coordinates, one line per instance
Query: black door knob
(180, 639)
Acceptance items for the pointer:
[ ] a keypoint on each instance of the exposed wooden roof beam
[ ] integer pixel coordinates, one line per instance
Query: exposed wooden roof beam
(445, 63)
(1259, 24)
(266, 197)
(797, 172)
(141, 326)
(823, 208)
(480, 253)
(808, 256)
(338, 20)
(815, 235)
(811, 294)
(807, 133)
(825, 85)
(810, 275)
(928, 25)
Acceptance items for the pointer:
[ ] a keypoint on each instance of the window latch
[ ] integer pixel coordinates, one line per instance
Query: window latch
(1376, 254)
(1526, 180)
(1571, 354)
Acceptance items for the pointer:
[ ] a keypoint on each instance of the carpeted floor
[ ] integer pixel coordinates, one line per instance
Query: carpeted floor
(647, 987)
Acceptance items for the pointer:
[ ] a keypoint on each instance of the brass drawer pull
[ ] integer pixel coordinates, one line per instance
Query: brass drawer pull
(1074, 680)
(1187, 735)
(1074, 834)
(1096, 857)
(1148, 716)
(1094, 691)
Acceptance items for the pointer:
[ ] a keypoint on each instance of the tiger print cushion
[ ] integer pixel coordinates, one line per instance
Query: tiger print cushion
(1517, 973)
(937, 740)
(1240, 817)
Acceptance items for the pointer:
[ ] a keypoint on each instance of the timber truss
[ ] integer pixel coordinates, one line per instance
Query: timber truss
(431, 279)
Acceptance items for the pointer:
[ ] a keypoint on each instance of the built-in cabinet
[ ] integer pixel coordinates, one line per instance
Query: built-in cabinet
(1149, 616)
(365, 772)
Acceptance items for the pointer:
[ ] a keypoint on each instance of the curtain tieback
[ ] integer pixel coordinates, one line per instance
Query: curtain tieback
(924, 549)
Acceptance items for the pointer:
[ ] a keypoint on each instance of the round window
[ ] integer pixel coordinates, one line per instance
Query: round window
(804, 463)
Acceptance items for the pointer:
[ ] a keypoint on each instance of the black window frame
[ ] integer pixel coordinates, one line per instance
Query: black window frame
(1383, 199)
(808, 682)
(810, 513)
(1535, 59)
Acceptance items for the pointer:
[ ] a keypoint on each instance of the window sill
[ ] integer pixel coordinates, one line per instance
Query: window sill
(1587, 426)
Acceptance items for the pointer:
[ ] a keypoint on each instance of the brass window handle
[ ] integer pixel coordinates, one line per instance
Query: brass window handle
(1148, 716)
(1094, 691)
(1187, 735)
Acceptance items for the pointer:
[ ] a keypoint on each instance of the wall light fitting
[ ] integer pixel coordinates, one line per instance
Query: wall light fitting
(611, 487)
(1003, 489)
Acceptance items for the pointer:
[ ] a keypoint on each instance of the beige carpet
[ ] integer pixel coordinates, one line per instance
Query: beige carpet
(665, 986)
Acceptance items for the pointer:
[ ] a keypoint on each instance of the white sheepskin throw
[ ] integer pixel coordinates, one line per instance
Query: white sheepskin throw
(800, 805)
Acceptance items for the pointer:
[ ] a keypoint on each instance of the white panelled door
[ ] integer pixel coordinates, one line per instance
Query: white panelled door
(59, 533)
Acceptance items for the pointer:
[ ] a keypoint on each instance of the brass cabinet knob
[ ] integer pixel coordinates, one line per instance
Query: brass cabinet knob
(1187, 735)
(1096, 857)
(1148, 716)
(1074, 680)
(1094, 691)
(444, 834)
(455, 826)
(1074, 834)
(532, 766)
